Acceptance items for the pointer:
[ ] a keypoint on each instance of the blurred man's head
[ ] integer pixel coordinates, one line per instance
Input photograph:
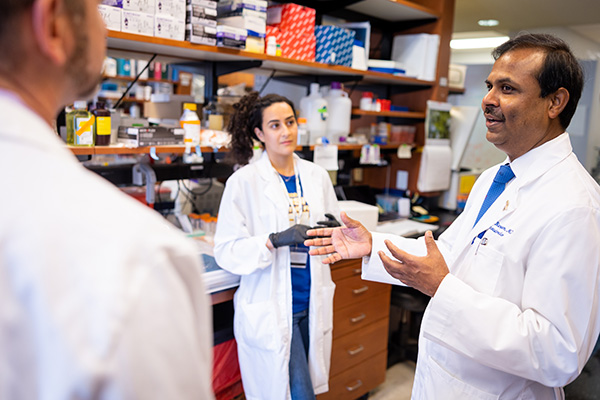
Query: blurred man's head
(65, 37)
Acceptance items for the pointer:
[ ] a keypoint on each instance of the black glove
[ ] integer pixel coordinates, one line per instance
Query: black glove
(330, 223)
(293, 235)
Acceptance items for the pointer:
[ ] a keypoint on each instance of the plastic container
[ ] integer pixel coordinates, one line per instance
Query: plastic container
(366, 101)
(303, 133)
(102, 124)
(190, 122)
(271, 48)
(339, 107)
(80, 125)
(315, 109)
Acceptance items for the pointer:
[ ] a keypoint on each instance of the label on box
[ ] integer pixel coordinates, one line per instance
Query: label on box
(203, 3)
(137, 22)
(197, 14)
(146, 6)
(169, 28)
(171, 8)
(111, 16)
(254, 26)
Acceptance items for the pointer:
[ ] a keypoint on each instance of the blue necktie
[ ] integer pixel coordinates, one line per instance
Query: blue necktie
(503, 175)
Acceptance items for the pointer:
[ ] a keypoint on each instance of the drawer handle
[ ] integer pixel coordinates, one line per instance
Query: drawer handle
(360, 290)
(358, 318)
(355, 386)
(357, 271)
(357, 350)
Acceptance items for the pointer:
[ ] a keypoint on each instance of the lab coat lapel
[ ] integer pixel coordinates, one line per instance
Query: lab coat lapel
(272, 187)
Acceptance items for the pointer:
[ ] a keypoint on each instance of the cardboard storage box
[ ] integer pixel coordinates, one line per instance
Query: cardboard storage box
(149, 136)
(294, 45)
(292, 17)
(334, 45)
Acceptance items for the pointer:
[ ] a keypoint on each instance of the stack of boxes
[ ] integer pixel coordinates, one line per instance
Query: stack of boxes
(161, 18)
(201, 20)
(293, 27)
(242, 24)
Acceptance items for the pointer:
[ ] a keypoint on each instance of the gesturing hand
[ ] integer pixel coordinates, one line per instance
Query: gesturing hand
(350, 241)
(422, 273)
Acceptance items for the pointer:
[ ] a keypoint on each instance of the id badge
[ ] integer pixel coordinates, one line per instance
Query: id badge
(298, 257)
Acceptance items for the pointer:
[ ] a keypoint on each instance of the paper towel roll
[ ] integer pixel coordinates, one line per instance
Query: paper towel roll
(434, 174)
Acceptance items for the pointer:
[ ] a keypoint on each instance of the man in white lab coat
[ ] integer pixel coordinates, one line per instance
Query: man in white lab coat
(515, 280)
(100, 298)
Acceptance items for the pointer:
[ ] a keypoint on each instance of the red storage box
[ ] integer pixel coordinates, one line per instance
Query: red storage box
(294, 45)
(292, 17)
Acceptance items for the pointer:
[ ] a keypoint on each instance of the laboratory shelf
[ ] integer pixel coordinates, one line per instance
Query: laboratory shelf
(182, 50)
(392, 114)
(88, 151)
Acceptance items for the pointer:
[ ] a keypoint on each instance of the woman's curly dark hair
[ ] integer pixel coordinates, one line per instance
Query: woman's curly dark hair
(248, 115)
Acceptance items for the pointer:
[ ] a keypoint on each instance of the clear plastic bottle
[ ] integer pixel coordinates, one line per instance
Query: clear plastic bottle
(303, 133)
(190, 122)
(80, 125)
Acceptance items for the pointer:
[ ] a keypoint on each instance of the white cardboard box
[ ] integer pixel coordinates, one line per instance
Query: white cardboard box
(138, 22)
(171, 8)
(111, 16)
(366, 214)
(169, 27)
(146, 6)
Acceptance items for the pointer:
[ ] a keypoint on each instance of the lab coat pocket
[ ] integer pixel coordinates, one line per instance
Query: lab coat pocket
(256, 325)
(327, 293)
(442, 385)
(485, 269)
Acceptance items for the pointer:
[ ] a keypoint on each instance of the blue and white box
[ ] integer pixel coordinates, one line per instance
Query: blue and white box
(334, 45)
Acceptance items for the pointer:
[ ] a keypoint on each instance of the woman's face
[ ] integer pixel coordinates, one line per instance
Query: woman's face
(279, 131)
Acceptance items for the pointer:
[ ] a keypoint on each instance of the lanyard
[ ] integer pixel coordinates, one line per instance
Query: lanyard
(300, 192)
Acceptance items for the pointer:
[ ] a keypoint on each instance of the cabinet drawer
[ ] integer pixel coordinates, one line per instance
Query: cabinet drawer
(357, 347)
(354, 290)
(358, 380)
(357, 316)
(345, 269)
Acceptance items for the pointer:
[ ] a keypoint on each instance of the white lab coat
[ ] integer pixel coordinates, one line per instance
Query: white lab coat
(100, 298)
(255, 204)
(518, 315)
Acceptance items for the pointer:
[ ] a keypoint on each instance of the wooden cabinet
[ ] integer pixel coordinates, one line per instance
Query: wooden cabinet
(360, 333)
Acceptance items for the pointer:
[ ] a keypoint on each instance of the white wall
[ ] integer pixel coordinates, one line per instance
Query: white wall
(583, 48)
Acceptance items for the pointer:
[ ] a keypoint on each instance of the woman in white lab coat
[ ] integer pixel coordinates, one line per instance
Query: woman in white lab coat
(284, 304)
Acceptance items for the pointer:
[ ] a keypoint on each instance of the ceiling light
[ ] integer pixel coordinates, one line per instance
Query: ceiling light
(488, 22)
(478, 43)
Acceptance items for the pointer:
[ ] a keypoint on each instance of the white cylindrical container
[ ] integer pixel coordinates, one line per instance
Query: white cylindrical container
(190, 122)
(339, 108)
(315, 109)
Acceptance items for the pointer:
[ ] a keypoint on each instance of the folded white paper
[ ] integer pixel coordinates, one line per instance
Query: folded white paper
(434, 173)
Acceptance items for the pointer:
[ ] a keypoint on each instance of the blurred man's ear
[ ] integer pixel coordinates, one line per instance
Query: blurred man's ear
(52, 30)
